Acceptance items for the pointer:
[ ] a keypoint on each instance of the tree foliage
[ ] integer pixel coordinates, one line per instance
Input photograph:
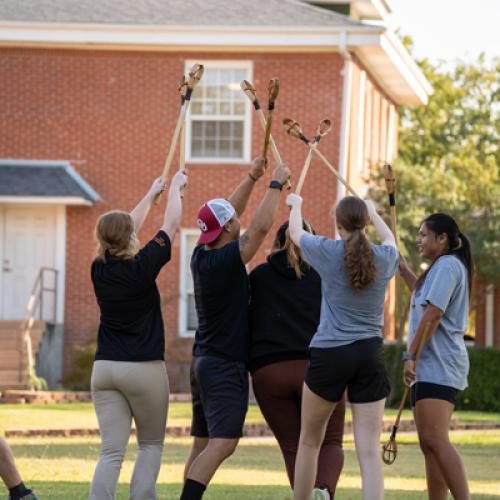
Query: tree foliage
(449, 160)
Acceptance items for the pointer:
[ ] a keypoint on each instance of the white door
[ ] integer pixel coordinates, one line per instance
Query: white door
(29, 242)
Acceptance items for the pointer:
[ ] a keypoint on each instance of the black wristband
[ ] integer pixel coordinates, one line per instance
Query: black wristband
(275, 185)
(252, 177)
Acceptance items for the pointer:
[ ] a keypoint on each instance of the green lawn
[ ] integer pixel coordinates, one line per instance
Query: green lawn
(81, 415)
(62, 468)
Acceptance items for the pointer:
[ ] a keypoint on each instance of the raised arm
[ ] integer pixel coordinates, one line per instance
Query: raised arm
(264, 217)
(173, 211)
(407, 274)
(140, 212)
(241, 194)
(383, 231)
(295, 225)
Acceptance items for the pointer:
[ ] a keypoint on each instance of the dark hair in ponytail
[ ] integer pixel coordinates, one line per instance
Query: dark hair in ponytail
(352, 215)
(283, 241)
(458, 243)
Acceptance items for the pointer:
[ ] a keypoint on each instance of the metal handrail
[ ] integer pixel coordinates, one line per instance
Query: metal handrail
(36, 299)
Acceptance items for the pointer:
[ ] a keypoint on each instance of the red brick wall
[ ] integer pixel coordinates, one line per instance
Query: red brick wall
(112, 115)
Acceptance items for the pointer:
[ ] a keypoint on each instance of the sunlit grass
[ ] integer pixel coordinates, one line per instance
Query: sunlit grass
(60, 468)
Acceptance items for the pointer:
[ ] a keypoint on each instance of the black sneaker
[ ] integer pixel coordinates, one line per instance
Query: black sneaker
(29, 496)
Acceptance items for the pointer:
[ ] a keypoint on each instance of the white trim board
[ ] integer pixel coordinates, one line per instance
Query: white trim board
(60, 260)
(182, 311)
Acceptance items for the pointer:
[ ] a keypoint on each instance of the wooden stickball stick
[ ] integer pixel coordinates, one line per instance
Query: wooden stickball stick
(195, 75)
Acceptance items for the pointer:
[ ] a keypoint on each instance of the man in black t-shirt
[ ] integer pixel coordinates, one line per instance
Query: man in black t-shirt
(219, 379)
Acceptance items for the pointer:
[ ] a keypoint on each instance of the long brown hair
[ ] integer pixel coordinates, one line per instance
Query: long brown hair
(115, 236)
(352, 215)
(282, 241)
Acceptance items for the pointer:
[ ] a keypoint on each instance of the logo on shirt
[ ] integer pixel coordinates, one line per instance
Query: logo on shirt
(160, 241)
(202, 225)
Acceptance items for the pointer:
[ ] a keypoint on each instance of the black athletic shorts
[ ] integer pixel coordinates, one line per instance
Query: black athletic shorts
(359, 367)
(427, 390)
(219, 391)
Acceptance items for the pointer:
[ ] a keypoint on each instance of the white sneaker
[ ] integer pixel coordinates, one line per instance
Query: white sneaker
(320, 494)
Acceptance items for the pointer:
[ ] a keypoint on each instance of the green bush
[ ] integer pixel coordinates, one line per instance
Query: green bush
(484, 379)
(82, 360)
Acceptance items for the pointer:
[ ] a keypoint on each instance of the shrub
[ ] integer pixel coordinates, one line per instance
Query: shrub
(484, 378)
(78, 378)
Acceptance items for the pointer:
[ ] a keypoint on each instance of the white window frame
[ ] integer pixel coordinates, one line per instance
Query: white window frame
(183, 265)
(247, 122)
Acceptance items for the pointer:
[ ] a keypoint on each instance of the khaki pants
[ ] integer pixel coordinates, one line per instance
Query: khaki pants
(122, 391)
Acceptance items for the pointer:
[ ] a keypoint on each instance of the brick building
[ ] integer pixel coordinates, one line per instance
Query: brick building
(89, 90)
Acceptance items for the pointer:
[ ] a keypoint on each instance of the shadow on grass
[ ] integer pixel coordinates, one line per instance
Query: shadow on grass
(79, 491)
(410, 462)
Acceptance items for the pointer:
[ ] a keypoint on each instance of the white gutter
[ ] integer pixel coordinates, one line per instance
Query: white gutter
(346, 114)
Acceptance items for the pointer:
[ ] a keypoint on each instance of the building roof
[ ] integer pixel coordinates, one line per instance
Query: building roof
(41, 179)
(173, 12)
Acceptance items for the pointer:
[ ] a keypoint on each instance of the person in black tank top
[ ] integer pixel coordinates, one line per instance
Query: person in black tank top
(284, 315)
(129, 377)
(219, 377)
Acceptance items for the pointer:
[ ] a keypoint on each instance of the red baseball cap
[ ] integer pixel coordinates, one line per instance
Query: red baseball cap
(211, 219)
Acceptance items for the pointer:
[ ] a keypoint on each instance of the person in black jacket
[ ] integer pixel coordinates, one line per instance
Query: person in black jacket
(129, 377)
(284, 315)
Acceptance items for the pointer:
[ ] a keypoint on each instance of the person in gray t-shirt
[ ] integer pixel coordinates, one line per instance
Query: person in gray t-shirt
(438, 317)
(347, 350)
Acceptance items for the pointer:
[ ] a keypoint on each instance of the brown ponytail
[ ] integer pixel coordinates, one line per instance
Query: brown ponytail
(352, 215)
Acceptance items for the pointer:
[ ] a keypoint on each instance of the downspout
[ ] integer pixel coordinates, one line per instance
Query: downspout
(346, 113)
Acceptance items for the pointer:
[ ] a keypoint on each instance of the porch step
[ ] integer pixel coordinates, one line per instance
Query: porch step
(13, 358)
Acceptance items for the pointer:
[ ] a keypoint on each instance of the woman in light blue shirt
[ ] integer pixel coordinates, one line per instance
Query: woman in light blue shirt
(439, 309)
(346, 351)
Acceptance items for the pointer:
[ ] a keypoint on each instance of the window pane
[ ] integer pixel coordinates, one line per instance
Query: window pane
(237, 148)
(196, 108)
(213, 139)
(211, 91)
(239, 108)
(219, 97)
(225, 108)
(192, 318)
(209, 108)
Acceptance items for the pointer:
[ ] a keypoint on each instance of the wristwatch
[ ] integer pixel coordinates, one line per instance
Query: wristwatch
(274, 184)
(409, 357)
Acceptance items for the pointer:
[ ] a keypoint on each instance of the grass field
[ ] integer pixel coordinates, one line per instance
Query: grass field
(61, 468)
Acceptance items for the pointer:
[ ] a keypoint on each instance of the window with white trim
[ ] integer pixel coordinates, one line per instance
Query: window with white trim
(188, 320)
(218, 125)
